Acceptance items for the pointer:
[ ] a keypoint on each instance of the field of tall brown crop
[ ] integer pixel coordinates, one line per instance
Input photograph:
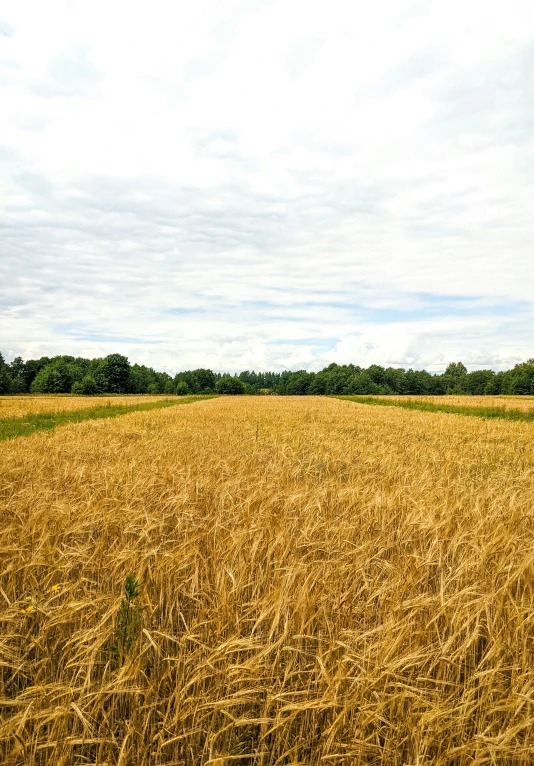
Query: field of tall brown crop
(320, 582)
(19, 406)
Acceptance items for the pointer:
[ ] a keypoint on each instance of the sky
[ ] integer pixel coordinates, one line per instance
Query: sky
(249, 184)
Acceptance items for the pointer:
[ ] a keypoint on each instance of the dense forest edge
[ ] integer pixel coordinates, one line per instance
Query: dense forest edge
(114, 374)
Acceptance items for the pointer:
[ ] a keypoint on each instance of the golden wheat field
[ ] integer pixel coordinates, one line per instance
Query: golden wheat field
(19, 406)
(523, 403)
(321, 582)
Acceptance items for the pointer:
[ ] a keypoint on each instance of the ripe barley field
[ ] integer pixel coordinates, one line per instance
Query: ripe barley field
(20, 406)
(320, 582)
(523, 403)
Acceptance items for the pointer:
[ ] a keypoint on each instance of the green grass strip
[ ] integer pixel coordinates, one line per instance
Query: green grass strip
(453, 409)
(11, 428)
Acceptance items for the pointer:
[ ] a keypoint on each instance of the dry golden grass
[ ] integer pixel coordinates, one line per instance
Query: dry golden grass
(524, 403)
(323, 583)
(19, 406)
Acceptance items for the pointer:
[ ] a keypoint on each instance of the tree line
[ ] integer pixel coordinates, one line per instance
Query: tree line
(114, 374)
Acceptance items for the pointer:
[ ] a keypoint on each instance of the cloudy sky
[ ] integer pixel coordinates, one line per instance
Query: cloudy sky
(268, 184)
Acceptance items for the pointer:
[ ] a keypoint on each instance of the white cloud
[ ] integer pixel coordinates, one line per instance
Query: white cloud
(268, 184)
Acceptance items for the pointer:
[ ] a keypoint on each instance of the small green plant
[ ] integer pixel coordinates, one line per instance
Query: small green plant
(128, 620)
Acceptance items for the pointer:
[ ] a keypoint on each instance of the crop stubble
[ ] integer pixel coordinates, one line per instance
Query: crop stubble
(322, 582)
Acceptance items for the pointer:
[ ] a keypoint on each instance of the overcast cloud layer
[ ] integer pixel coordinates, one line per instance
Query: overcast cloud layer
(268, 185)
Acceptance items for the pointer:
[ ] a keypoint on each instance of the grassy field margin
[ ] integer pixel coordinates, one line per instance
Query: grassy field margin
(452, 409)
(11, 428)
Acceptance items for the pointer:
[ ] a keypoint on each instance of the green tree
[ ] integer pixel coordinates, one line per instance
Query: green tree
(478, 381)
(395, 378)
(32, 367)
(88, 386)
(418, 382)
(455, 376)
(169, 387)
(189, 379)
(456, 370)
(521, 378)
(182, 389)
(362, 384)
(298, 383)
(113, 375)
(339, 378)
(17, 370)
(318, 385)
(17, 367)
(438, 385)
(55, 378)
(5, 377)
(229, 385)
(377, 374)
(204, 379)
